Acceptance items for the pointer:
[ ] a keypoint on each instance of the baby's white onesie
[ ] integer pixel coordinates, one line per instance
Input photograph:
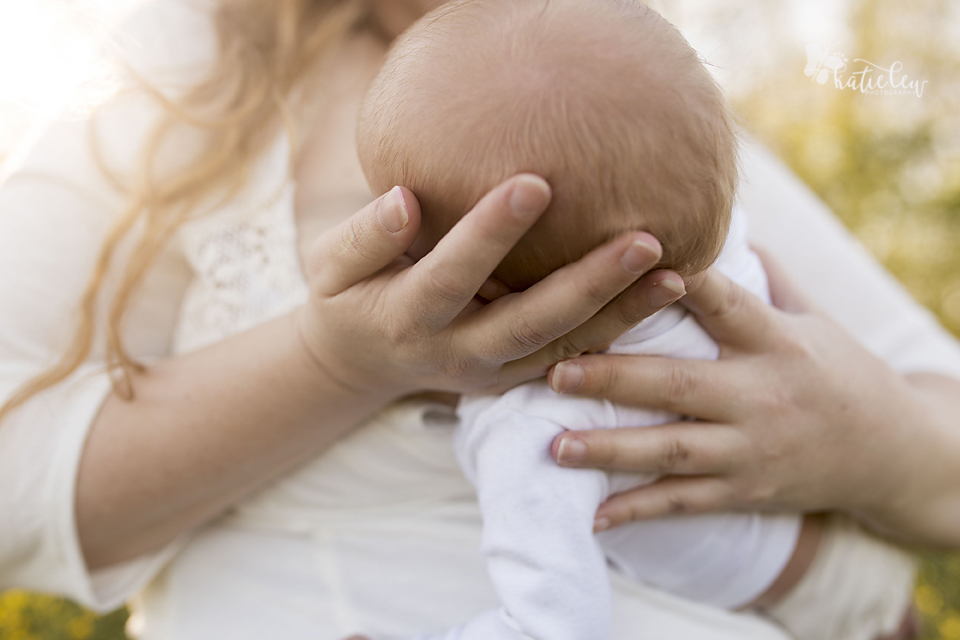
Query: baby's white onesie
(548, 567)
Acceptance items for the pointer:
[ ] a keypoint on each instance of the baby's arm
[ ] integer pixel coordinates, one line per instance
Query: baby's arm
(544, 561)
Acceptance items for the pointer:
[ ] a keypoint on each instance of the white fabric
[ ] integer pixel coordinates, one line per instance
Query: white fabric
(872, 579)
(54, 213)
(547, 566)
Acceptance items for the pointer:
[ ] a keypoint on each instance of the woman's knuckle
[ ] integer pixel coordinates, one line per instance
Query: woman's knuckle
(632, 512)
(677, 504)
(358, 238)
(566, 348)
(630, 311)
(527, 336)
(679, 384)
(445, 285)
(732, 302)
(674, 456)
(599, 378)
(398, 330)
(596, 292)
(456, 368)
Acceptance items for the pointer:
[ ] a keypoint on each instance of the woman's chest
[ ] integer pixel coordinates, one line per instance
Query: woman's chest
(248, 257)
(330, 182)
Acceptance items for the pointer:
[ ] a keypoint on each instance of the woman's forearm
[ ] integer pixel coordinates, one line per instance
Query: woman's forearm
(207, 428)
(927, 509)
(203, 430)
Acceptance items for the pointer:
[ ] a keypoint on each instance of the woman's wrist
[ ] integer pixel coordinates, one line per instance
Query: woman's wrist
(925, 507)
(310, 360)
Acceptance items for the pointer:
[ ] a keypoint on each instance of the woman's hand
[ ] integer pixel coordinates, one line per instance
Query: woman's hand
(221, 421)
(378, 323)
(795, 415)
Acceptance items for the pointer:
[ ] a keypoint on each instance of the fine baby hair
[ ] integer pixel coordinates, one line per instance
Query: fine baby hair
(605, 99)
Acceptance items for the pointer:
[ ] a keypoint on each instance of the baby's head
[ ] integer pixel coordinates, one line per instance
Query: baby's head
(603, 98)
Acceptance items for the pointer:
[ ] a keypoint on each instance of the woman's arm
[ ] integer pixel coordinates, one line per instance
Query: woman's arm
(795, 415)
(933, 518)
(208, 427)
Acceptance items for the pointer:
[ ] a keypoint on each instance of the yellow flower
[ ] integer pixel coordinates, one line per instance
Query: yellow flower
(928, 601)
(950, 627)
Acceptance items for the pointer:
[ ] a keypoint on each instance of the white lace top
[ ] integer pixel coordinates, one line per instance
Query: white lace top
(237, 267)
(246, 268)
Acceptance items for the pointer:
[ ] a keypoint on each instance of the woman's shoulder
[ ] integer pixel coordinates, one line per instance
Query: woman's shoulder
(169, 43)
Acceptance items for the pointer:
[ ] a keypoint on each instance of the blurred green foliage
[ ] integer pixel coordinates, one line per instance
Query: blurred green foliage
(26, 616)
(889, 166)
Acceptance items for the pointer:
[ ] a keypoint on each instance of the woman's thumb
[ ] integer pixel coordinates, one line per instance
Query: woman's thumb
(364, 244)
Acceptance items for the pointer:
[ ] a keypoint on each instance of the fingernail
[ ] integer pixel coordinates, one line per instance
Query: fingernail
(567, 376)
(601, 524)
(571, 449)
(529, 197)
(637, 258)
(664, 292)
(392, 211)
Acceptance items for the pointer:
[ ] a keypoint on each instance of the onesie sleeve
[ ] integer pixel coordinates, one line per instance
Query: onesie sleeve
(56, 207)
(544, 561)
(838, 273)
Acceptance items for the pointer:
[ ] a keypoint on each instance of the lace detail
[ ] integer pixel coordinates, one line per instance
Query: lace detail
(247, 272)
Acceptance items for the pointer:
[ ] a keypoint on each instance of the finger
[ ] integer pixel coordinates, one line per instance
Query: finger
(653, 292)
(730, 313)
(448, 277)
(784, 291)
(703, 389)
(366, 243)
(493, 289)
(667, 496)
(563, 300)
(650, 294)
(679, 448)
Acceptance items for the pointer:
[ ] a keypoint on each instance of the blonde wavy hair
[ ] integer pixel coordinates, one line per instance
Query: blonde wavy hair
(266, 48)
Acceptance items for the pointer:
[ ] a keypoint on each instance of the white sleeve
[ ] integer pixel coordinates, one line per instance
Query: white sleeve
(837, 272)
(48, 239)
(545, 564)
(55, 209)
